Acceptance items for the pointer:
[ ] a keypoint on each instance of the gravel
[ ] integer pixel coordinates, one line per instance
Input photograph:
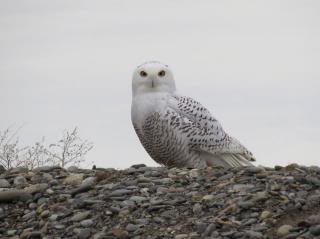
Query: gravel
(159, 202)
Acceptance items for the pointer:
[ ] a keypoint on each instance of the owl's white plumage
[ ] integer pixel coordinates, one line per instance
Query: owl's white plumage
(176, 130)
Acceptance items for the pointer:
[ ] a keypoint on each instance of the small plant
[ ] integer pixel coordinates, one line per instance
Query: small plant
(70, 150)
(10, 152)
(36, 156)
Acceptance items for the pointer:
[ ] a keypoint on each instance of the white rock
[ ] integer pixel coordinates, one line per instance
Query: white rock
(74, 179)
(208, 197)
(284, 230)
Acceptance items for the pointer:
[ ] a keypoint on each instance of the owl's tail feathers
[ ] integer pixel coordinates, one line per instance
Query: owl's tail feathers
(227, 160)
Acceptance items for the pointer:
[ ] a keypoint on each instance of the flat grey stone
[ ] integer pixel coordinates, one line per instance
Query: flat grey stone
(80, 216)
(13, 196)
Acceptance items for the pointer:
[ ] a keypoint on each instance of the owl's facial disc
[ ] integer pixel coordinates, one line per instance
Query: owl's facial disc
(153, 77)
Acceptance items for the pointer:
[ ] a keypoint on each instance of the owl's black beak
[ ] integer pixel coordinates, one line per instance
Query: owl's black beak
(152, 83)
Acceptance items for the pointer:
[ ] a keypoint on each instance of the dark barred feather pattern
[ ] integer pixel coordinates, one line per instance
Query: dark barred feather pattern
(184, 134)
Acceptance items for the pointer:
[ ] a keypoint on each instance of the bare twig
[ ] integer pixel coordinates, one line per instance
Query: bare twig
(70, 150)
(10, 151)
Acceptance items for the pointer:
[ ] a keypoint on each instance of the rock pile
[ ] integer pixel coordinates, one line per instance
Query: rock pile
(157, 202)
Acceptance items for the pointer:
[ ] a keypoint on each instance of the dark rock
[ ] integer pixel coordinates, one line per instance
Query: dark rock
(253, 170)
(18, 170)
(47, 169)
(120, 192)
(210, 228)
(278, 168)
(315, 230)
(31, 235)
(81, 189)
(137, 166)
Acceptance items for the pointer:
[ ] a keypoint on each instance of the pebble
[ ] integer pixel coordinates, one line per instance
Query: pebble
(210, 228)
(137, 166)
(181, 236)
(29, 215)
(254, 170)
(138, 199)
(45, 214)
(31, 235)
(4, 183)
(131, 227)
(53, 217)
(74, 179)
(315, 230)
(20, 181)
(314, 219)
(80, 216)
(246, 204)
(120, 192)
(59, 226)
(253, 234)
(47, 169)
(163, 181)
(82, 233)
(194, 173)
(260, 196)
(89, 181)
(242, 187)
(82, 189)
(33, 205)
(200, 227)
(208, 197)
(197, 208)
(265, 214)
(11, 232)
(284, 230)
(86, 223)
(36, 188)
(13, 196)
(18, 170)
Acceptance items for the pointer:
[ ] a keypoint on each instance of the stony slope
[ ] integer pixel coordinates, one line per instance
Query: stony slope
(146, 202)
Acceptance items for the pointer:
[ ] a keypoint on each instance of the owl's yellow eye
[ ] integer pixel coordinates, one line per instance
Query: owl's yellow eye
(161, 73)
(143, 73)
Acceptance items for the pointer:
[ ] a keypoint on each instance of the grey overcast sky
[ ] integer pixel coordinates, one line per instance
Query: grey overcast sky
(254, 64)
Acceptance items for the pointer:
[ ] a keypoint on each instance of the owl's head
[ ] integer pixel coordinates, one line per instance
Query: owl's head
(152, 77)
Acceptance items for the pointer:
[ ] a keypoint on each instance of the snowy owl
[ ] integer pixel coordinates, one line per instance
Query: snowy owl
(176, 130)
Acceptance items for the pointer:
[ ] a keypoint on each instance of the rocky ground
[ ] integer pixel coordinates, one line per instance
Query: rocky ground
(157, 202)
